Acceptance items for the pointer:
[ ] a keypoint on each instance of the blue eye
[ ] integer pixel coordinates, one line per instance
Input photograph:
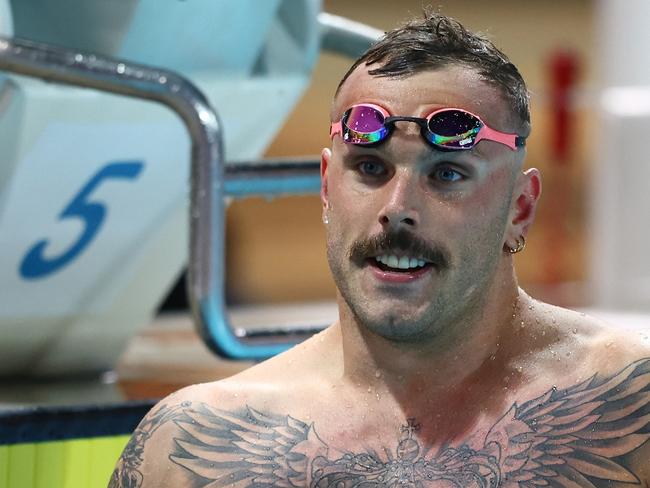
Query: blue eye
(448, 175)
(371, 168)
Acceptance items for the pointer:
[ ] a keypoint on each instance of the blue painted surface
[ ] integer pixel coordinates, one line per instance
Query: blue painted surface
(35, 264)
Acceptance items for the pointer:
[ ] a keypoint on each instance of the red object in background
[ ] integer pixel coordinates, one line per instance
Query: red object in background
(564, 70)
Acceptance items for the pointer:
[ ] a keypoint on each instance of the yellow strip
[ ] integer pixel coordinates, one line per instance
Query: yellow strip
(22, 460)
(76, 463)
(104, 454)
(4, 466)
(49, 465)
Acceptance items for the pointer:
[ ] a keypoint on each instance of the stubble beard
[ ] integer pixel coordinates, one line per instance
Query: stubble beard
(398, 325)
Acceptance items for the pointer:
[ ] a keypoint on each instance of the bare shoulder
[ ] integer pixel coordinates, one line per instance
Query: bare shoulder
(196, 431)
(144, 461)
(584, 344)
(592, 378)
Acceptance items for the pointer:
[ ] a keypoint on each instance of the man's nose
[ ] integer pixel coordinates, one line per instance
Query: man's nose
(401, 203)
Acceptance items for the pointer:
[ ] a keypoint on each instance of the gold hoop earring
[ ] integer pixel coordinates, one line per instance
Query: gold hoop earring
(521, 245)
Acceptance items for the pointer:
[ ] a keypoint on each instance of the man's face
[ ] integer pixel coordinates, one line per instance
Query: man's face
(404, 200)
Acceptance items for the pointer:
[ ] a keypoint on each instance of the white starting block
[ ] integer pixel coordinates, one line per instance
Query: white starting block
(94, 187)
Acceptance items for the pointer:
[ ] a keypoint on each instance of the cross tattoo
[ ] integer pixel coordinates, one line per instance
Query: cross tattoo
(410, 427)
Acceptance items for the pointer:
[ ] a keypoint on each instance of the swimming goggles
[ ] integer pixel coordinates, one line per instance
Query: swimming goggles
(447, 128)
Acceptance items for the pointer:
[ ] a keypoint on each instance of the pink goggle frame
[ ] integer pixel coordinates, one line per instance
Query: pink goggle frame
(446, 128)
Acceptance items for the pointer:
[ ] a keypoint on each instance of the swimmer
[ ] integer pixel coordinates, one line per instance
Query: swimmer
(441, 371)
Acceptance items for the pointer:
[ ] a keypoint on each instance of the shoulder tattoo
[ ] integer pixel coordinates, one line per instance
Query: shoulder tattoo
(127, 474)
(575, 437)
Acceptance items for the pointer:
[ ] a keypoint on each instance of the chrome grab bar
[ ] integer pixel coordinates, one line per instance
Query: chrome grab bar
(210, 183)
(272, 177)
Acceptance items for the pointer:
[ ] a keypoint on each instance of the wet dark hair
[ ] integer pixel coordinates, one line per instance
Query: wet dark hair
(437, 41)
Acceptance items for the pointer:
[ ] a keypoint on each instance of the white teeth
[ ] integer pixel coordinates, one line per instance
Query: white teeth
(403, 262)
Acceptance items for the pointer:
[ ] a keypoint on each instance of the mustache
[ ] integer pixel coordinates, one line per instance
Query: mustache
(402, 240)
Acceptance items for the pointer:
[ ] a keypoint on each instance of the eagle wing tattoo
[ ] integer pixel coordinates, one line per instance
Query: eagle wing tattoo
(571, 438)
(250, 450)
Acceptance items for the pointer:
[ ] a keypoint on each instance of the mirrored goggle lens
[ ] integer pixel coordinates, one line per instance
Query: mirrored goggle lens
(454, 129)
(363, 125)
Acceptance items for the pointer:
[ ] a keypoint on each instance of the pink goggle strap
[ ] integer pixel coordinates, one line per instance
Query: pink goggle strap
(496, 136)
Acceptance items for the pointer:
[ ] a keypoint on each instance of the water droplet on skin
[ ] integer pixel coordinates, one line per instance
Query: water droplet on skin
(369, 390)
(575, 331)
(523, 324)
(493, 357)
(553, 320)
(530, 307)
(377, 374)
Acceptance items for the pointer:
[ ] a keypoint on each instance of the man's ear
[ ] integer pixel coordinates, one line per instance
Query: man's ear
(528, 189)
(325, 156)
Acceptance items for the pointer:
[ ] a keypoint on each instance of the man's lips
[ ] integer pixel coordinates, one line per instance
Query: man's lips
(389, 274)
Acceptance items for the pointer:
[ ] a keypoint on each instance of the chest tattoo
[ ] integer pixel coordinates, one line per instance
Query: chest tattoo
(573, 437)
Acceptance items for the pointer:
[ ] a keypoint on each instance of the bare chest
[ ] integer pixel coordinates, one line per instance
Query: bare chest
(588, 434)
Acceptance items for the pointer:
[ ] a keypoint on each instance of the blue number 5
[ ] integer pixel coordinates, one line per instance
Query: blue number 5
(35, 264)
